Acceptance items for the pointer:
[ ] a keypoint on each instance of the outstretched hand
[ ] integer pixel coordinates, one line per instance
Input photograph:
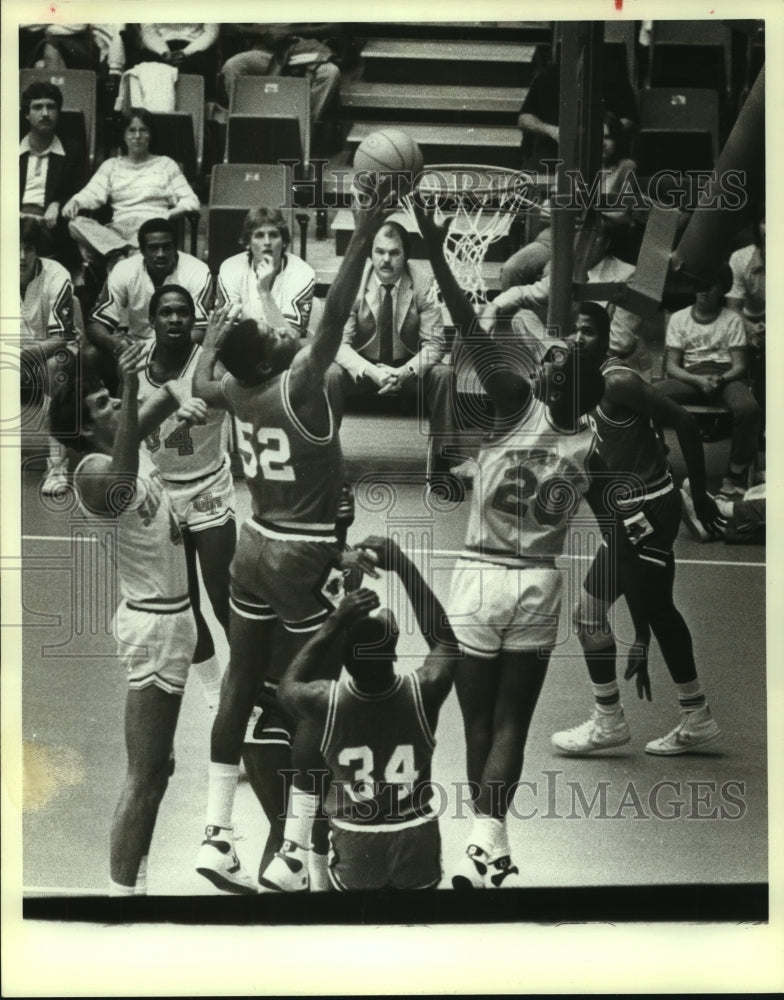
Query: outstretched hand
(433, 231)
(129, 362)
(385, 549)
(356, 605)
(637, 667)
(192, 411)
(219, 324)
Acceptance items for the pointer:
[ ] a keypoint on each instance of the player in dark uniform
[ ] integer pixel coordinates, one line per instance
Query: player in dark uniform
(294, 469)
(639, 562)
(378, 733)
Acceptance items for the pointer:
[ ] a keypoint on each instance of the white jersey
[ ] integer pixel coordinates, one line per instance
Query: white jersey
(528, 483)
(150, 554)
(125, 298)
(46, 308)
(183, 453)
(292, 290)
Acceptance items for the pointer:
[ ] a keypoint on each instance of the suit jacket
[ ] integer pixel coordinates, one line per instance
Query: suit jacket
(66, 174)
(418, 321)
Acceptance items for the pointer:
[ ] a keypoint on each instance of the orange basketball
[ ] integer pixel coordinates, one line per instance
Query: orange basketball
(389, 149)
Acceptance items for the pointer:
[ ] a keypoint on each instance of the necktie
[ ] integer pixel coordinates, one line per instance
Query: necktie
(386, 329)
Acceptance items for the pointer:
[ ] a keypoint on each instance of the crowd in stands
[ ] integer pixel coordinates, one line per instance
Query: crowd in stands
(113, 235)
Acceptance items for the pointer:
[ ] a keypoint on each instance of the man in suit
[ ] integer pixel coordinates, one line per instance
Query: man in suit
(51, 168)
(393, 342)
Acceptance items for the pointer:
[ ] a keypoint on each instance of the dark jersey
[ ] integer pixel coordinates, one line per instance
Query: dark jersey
(294, 477)
(378, 748)
(631, 444)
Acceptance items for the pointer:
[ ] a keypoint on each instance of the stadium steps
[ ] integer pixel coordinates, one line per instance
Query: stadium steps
(493, 145)
(410, 102)
(447, 61)
(530, 32)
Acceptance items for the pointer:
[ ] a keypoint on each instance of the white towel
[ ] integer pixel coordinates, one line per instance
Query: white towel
(149, 85)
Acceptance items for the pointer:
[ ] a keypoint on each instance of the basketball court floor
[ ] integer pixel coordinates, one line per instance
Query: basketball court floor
(617, 819)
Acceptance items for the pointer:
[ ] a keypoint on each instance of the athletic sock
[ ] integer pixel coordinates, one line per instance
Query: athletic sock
(607, 697)
(117, 889)
(489, 834)
(210, 675)
(690, 696)
(301, 812)
(318, 872)
(140, 889)
(222, 786)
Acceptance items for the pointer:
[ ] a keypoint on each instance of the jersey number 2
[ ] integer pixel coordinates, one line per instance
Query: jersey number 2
(269, 449)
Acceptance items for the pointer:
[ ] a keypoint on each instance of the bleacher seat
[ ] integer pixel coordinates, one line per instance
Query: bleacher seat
(269, 120)
(77, 119)
(690, 54)
(235, 188)
(679, 130)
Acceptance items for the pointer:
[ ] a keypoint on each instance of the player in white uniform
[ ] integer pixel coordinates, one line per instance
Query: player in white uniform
(195, 467)
(506, 591)
(278, 295)
(154, 623)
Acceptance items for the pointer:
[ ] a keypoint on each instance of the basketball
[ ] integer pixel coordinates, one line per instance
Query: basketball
(389, 149)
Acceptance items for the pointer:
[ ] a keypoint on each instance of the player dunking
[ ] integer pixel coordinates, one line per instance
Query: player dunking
(154, 622)
(639, 563)
(294, 468)
(196, 471)
(378, 732)
(506, 590)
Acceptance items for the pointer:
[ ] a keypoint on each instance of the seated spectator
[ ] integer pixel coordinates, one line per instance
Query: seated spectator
(137, 186)
(122, 310)
(51, 168)
(97, 47)
(190, 48)
(705, 362)
(47, 327)
(527, 304)
(527, 265)
(393, 341)
(747, 297)
(540, 113)
(270, 284)
(287, 50)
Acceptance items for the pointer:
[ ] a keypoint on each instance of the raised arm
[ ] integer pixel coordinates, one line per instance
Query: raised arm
(298, 691)
(508, 389)
(206, 380)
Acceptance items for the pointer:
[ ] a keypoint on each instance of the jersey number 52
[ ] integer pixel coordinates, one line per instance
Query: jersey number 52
(268, 449)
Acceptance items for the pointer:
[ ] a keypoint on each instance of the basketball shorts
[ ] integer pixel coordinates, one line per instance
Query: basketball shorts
(494, 607)
(268, 723)
(207, 502)
(641, 544)
(156, 649)
(284, 578)
(386, 859)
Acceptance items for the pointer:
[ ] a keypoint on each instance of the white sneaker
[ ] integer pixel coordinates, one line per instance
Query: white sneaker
(600, 732)
(502, 874)
(471, 870)
(55, 481)
(695, 731)
(217, 861)
(288, 870)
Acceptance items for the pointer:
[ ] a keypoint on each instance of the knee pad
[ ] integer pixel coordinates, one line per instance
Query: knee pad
(591, 624)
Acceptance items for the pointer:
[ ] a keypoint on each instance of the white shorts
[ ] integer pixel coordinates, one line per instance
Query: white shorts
(156, 648)
(204, 503)
(494, 607)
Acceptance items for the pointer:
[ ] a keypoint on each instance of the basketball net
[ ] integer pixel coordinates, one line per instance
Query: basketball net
(479, 219)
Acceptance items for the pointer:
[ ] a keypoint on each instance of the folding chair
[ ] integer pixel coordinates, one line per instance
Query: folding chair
(77, 118)
(234, 189)
(265, 97)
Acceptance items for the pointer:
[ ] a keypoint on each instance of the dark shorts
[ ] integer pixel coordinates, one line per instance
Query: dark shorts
(642, 544)
(268, 723)
(387, 859)
(283, 578)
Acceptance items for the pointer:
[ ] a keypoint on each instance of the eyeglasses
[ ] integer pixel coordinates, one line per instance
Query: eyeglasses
(137, 131)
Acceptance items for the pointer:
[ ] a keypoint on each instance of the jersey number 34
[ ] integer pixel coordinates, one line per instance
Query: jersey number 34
(268, 449)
